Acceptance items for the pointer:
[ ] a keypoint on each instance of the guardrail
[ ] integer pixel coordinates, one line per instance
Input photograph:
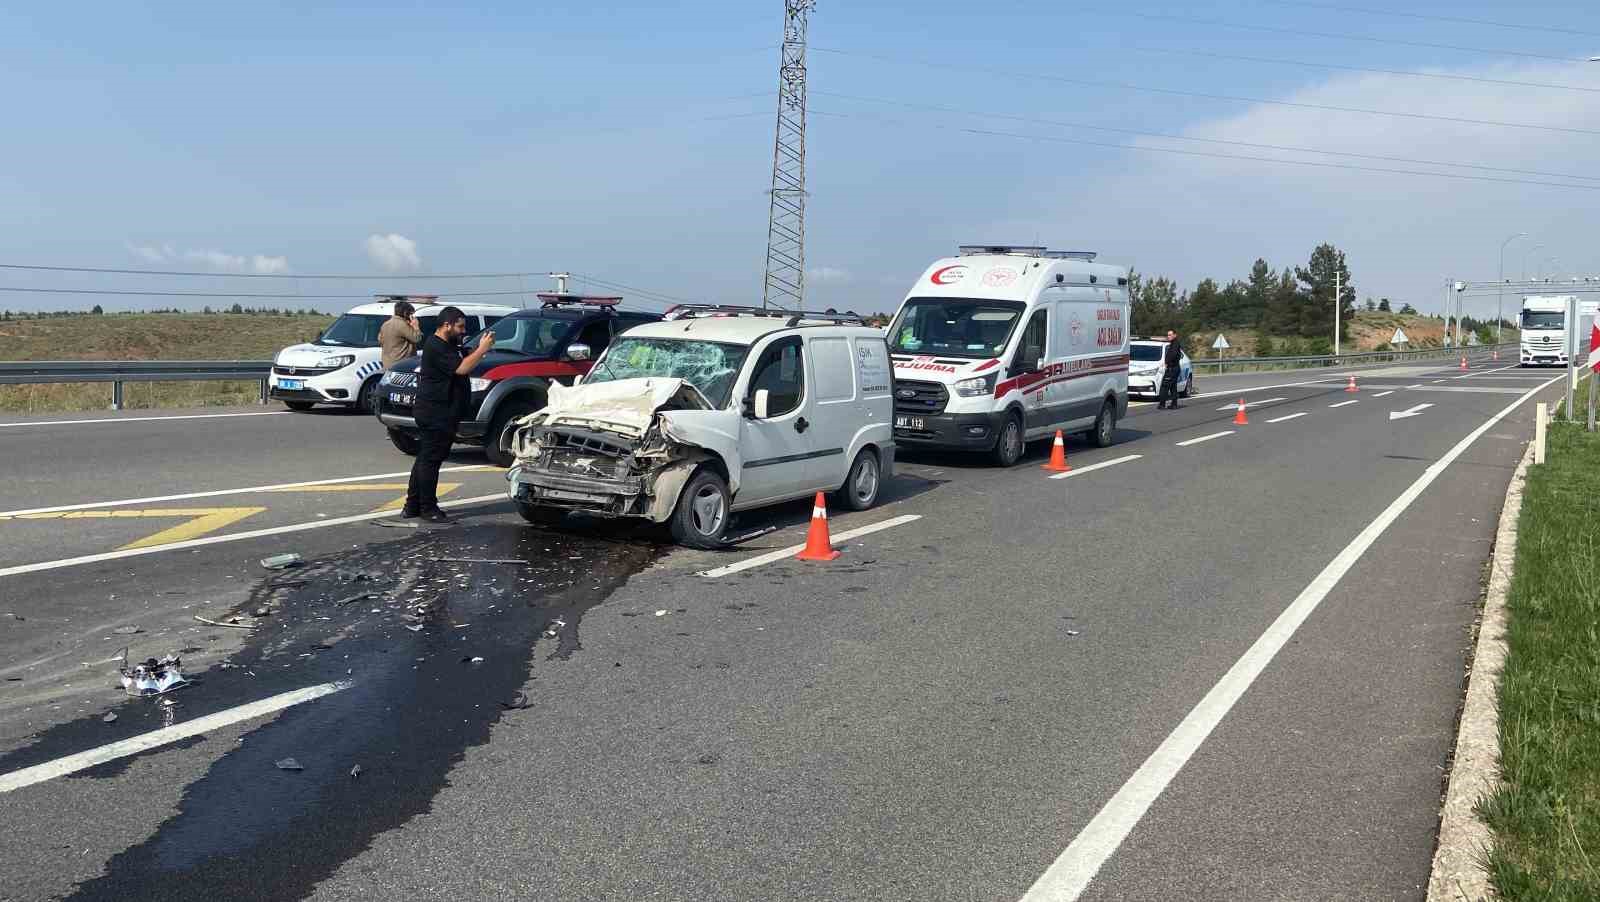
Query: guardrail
(1221, 364)
(117, 372)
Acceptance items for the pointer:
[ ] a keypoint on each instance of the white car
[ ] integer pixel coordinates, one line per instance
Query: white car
(1145, 369)
(343, 365)
(713, 411)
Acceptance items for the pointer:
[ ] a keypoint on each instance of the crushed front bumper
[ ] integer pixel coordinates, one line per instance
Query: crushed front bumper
(623, 497)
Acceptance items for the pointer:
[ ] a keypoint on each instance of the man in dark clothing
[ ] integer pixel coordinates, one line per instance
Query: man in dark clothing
(442, 397)
(1170, 361)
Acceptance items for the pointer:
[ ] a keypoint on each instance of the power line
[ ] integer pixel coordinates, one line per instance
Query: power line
(1343, 68)
(1176, 137)
(1304, 33)
(1126, 86)
(1456, 19)
(1223, 156)
(234, 294)
(262, 275)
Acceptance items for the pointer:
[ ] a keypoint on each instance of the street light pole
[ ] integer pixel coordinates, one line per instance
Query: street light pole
(1500, 296)
(1338, 310)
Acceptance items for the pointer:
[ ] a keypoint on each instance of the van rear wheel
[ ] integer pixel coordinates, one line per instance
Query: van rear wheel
(860, 490)
(1008, 447)
(1105, 426)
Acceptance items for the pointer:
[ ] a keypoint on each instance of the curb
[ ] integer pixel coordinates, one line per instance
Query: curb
(1464, 840)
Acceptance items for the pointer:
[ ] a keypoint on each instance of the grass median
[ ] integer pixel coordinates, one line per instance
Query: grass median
(1545, 814)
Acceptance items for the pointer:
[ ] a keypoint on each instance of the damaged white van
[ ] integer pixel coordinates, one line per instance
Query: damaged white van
(713, 411)
(1002, 345)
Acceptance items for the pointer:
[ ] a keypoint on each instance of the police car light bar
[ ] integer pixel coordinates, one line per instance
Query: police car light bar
(698, 311)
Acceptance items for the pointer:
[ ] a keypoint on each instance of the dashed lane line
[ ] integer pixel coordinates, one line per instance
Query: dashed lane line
(1292, 416)
(1204, 438)
(1079, 471)
(1344, 403)
(217, 540)
(195, 416)
(218, 493)
(71, 764)
(1384, 394)
(773, 557)
(1073, 870)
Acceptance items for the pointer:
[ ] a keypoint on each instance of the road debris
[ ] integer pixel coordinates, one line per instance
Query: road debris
(282, 561)
(152, 677)
(414, 627)
(127, 630)
(355, 772)
(555, 628)
(518, 702)
(355, 598)
(288, 584)
(1072, 633)
(472, 660)
(263, 612)
(288, 764)
(237, 626)
(111, 717)
(397, 524)
(661, 613)
(481, 560)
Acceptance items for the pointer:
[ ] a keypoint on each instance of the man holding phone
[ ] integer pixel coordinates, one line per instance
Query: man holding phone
(443, 393)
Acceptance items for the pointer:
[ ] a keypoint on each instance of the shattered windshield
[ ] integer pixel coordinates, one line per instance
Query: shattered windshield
(954, 327)
(709, 366)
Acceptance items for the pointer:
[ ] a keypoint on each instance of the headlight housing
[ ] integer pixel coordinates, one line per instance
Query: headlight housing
(976, 387)
(479, 385)
(340, 362)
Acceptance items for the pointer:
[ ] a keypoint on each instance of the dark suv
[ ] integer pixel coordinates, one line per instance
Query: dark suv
(532, 348)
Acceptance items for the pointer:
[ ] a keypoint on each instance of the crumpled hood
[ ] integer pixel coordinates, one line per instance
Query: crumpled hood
(311, 355)
(624, 405)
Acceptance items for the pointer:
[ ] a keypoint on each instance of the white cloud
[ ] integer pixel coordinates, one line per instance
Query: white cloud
(827, 275)
(393, 252)
(217, 260)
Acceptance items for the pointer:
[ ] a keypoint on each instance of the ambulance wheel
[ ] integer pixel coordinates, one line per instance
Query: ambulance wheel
(1105, 426)
(703, 512)
(301, 406)
(405, 442)
(1008, 447)
(860, 490)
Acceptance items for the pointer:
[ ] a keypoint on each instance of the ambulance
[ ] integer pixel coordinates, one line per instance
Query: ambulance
(1003, 345)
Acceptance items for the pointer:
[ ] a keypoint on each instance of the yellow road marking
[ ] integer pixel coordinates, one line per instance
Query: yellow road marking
(201, 520)
(445, 488)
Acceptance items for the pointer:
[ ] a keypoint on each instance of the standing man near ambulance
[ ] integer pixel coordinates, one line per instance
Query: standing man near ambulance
(1171, 361)
(442, 399)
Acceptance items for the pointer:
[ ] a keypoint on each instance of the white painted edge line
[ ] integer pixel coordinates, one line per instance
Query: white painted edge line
(1345, 403)
(1204, 438)
(1235, 405)
(772, 557)
(1292, 416)
(1070, 874)
(1079, 471)
(229, 537)
(196, 416)
(1384, 394)
(71, 764)
(247, 490)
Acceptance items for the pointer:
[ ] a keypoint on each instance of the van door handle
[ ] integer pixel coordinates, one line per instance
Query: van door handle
(801, 425)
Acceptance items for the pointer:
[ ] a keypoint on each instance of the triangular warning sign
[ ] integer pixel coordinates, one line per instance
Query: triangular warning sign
(1399, 337)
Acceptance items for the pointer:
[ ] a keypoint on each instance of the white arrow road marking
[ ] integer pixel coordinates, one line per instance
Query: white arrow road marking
(1414, 411)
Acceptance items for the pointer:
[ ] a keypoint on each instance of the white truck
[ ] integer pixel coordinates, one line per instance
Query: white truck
(1002, 345)
(1544, 330)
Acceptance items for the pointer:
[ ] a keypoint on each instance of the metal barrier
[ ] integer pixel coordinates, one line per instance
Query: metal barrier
(1325, 360)
(118, 372)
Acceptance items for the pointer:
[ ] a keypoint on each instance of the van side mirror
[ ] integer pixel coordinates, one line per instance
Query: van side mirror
(579, 351)
(762, 403)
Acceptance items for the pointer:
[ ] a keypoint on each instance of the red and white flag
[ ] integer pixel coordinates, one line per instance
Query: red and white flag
(1594, 348)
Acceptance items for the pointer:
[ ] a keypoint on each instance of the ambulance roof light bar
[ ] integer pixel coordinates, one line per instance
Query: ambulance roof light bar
(1024, 250)
(560, 298)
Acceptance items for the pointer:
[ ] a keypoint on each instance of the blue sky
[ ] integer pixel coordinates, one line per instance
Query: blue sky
(633, 142)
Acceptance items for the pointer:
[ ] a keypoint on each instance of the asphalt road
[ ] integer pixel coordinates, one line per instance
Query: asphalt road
(939, 714)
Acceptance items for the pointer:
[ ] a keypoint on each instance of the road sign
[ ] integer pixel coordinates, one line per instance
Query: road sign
(1221, 344)
(1399, 337)
(1472, 339)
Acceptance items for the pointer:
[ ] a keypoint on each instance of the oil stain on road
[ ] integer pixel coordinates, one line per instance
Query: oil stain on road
(437, 635)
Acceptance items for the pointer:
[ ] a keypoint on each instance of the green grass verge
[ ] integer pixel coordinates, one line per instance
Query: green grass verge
(1546, 812)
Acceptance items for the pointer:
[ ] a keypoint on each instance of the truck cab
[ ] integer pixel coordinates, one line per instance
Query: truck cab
(1544, 331)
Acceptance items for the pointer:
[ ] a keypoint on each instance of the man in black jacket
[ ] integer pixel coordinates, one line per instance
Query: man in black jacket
(443, 393)
(1170, 360)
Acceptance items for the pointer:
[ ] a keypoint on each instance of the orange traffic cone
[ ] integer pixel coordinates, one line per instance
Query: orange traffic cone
(1239, 419)
(1058, 456)
(1352, 386)
(818, 546)
(1463, 363)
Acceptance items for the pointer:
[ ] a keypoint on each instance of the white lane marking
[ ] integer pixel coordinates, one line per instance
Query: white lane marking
(1204, 438)
(217, 540)
(1414, 411)
(197, 416)
(1070, 874)
(1384, 394)
(772, 557)
(1487, 372)
(1345, 403)
(1291, 416)
(1235, 405)
(1078, 471)
(282, 486)
(71, 764)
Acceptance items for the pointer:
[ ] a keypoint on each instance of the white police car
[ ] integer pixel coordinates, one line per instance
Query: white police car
(343, 365)
(1145, 369)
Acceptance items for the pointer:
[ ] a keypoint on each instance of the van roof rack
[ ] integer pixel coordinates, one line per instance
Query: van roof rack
(553, 299)
(1024, 250)
(425, 298)
(793, 317)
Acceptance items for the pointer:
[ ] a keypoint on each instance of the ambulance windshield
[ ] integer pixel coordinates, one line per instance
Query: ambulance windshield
(954, 327)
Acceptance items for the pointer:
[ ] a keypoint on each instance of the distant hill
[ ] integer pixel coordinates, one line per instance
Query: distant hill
(1370, 330)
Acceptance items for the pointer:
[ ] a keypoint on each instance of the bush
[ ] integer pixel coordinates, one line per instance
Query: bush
(1264, 346)
(1315, 346)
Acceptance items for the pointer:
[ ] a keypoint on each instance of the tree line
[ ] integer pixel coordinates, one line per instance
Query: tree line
(97, 310)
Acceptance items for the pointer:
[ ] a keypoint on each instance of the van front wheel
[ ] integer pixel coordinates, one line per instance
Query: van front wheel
(704, 508)
(1009, 446)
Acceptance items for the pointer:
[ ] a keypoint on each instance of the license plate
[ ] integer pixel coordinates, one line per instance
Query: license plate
(402, 398)
(909, 423)
(557, 495)
(291, 384)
